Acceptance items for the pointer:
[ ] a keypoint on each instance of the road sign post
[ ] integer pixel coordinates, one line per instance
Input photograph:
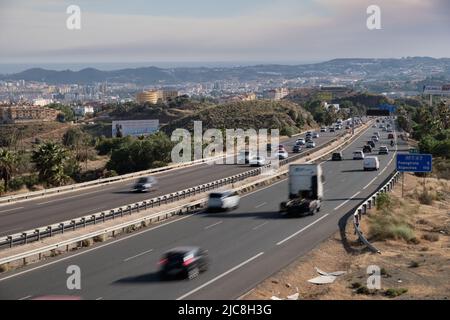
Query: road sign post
(416, 163)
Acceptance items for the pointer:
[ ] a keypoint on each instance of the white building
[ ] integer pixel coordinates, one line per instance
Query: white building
(42, 102)
(335, 106)
(81, 111)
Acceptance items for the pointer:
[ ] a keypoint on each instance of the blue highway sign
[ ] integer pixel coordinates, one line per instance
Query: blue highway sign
(414, 162)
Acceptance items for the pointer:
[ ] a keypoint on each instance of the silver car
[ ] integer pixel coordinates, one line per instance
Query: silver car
(225, 200)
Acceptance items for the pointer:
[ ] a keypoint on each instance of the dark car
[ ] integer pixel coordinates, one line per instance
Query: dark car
(337, 156)
(187, 262)
(145, 184)
(391, 136)
(297, 149)
(367, 149)
(371, 143)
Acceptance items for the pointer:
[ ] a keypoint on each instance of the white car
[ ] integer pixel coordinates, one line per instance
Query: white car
(371, 163)
(281, 154)
(257, 161)
(323, 129)
(315, 135)
(383, 150)
(310, 144)
(358, 155)
(300, 142)
(225, 200)
(375, 138)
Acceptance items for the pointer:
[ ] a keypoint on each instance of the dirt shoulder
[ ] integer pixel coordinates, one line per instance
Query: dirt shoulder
(415, 258)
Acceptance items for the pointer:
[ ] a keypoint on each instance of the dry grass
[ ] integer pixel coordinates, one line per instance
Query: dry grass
(409, 270)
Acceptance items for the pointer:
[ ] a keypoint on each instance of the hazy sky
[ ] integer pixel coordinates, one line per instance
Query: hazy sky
(34, 31)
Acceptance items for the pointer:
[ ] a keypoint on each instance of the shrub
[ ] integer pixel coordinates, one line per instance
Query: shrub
(392, 293)
(16, 184)
(431, 237)
(425, 198)
(385, 226)
(356, 285)
(414, 264)
(287, 131)
(384, 201)
(363, 290)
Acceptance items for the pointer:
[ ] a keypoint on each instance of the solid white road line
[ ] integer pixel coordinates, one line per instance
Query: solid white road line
(261, 205)
(25, 298)
(220, 276)
(300, 231)
(213, 225)
(76, 196)
(11, 209)
(345, 202)
(370, 183)
(93, 249)
(261, 225)
(138, 255)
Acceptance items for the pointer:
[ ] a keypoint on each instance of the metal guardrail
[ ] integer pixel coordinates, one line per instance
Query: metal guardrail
(36, 194)
(183, 209)
(369, 204)
(57, 190)
(40, 233)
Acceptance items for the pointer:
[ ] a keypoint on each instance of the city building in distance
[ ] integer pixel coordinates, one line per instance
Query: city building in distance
(154, 96)
(21, 114)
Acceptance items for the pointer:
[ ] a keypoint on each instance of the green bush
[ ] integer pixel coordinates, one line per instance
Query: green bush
(384, 201)
(287, 131)
(392, 293)
(385, 226)
(16, 184)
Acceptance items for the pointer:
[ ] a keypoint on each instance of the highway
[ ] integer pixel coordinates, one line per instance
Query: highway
(245, 246)
(22, 216)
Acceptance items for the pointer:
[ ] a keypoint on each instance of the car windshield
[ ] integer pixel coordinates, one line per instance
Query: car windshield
(216, 195)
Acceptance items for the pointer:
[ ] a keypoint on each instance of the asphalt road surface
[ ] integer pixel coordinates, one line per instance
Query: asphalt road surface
(245, 246)
(28, 215)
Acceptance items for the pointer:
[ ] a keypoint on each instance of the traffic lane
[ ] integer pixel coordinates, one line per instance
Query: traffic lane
(225, 246)
(53, 210)
(232, 236)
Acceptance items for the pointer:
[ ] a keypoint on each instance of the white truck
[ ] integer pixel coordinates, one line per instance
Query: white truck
(305, 190)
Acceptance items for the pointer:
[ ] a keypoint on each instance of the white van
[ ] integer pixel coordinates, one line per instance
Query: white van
(371, 163)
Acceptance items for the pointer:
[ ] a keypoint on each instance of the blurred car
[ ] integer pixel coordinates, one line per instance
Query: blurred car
(358, 155)
(323, 129)
(282, 154)
(371, 163)
(367, 149)
(383, 150)
(257, 161)
(297, 149)
(377, 134)
(225, 200)
(310, 144)
(188, 262)
(300, 142)
(371, 143)
(374, 126)
(391, 136)
(332, 129)
(315, 135)
(375, 139)
(145, 184)
(337, 156)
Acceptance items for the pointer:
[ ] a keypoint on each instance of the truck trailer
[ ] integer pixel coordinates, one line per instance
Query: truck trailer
(305, 190)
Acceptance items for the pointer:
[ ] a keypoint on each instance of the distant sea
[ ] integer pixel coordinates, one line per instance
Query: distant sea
(8, 68)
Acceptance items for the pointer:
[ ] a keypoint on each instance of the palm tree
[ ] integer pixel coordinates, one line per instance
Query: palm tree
(7, 166)
(49, 160)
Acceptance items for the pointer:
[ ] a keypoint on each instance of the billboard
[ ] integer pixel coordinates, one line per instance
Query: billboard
(136, 128)
(438, 90)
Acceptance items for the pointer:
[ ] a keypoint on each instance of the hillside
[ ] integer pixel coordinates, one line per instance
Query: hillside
(382, 69)
(250, 114)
